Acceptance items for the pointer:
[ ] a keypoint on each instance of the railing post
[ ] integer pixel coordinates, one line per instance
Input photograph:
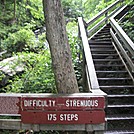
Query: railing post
(106, 15)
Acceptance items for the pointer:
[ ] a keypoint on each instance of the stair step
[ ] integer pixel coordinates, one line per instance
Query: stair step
(102, 35)
(114, 78)
(109, 67)
(117, 87)
(119, 99)
(100, 42)
(101, 46)
(120, 125)
(105, 29)
(105, 38)
(101, 60)
(101, 39)
(104, 56)
(102, 65)
(112, 74)
(120, 95)
(119, 117)
(111, 71)
(102, 49)
(104, 32)
(120, 106)
(120, 132)
(103, 52)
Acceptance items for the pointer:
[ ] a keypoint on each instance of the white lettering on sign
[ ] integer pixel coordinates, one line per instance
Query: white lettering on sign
(69, 117)
(51, 117)
(39, 103)
(82, 103)
(63, 117)
(61, 103)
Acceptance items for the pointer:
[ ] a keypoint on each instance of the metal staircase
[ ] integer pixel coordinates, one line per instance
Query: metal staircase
(109, 66)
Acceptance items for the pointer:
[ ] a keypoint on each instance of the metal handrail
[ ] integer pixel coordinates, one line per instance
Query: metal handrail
(124, 38)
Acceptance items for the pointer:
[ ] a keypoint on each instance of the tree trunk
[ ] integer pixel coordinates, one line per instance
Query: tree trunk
(60, 50)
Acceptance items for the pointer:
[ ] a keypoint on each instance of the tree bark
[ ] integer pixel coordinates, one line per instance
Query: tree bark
(60, 50)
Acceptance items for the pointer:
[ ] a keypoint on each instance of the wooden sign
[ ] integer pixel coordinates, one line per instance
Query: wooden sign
(54, 109)
(62, 103)
(63, 117)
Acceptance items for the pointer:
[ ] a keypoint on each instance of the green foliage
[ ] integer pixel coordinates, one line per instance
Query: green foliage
(72, 9)
(37, 76)
(2, 75)
(23, 40)
(89, 8)
(72, 30)
(36, 9)
(18, 41)
(128, 24)
(92, 7)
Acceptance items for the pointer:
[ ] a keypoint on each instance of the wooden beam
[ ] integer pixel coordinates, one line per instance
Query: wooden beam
(89, 60)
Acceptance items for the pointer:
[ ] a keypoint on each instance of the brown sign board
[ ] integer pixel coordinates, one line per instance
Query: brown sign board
(63, 117)
(62, 103)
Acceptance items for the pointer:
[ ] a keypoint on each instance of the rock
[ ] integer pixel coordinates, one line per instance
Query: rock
(11, 66)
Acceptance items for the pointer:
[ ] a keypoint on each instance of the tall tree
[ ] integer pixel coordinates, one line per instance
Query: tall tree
(60, 50)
